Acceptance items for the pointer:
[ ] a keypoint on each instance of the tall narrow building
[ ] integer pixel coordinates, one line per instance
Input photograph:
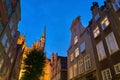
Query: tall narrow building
(10, 15)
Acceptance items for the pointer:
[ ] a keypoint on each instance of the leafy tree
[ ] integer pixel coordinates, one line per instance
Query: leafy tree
(34, 64)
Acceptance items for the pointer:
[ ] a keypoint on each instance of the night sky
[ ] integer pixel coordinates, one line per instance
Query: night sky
(57, 16)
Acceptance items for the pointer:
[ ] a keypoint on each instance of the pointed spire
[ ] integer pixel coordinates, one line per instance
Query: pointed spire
(44, 32)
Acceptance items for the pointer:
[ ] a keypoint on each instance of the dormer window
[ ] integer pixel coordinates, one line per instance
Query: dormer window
(97, 16)
(75, 39)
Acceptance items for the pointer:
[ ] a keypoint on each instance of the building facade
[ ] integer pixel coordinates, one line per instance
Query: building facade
(58, 67)
(14, 74)
(81, 62)
(47, 70)
(39, 45)
(105, 34)
(9, 18)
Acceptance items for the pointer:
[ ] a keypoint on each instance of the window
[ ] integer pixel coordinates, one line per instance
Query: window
(1, 62)
(9, 10)
(87, 62)
(76, 52)
(116, 5)
(75, 70)
(12, 33)
(7, 47)
(4, 39)
(71, 72)
(105, 23)
(100, 51)
(82, 47)
(106, 74)
(111, 43)
(71, 57)
(117, 68)
(97, 16)
(11, 24)
(1, 28)
(10, 54)
(7, 2)
(80, 66)
(75, 39)
(96, 32)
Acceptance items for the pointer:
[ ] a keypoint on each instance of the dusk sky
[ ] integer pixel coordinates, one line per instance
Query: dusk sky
(57, 15)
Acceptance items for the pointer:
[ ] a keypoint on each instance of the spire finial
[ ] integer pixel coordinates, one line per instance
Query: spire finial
(44, 32)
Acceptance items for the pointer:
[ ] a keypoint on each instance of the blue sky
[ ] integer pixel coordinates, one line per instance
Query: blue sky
(57, 15)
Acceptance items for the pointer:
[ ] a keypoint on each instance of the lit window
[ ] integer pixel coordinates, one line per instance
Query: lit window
(4, 39)
(82, 47)
(10, 54)
(100, 51)
(117, 68)
(106, 74)
(76, 52)
(116, 5)
(97, 16)
(87, 62)
(71, 72)
(75, 70)
(75, 39)
(111, 43)
(11, 60)
(71, 57)
(105, 23)
(96, 32)
(1, 28)
(80, 66)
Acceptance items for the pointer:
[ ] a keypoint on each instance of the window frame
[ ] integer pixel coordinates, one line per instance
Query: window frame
(97, 16)
(117, 65)
(104, 74)
(77, 52)
(75, 40)
(96, 32)
(83, 46)
(116, 5)
(100, 56)
(87, 62)
(112, 37)
(105, 22)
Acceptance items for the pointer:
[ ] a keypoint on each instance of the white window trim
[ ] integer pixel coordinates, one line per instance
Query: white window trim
(100, 59)
(116, 2)
(108, 43)
(105, 71)
(81, 66)
(96, 32)
(115, 68)
(86, 62)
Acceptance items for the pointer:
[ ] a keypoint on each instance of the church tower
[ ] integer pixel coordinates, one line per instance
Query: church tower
(40, 45)
(43, 39)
